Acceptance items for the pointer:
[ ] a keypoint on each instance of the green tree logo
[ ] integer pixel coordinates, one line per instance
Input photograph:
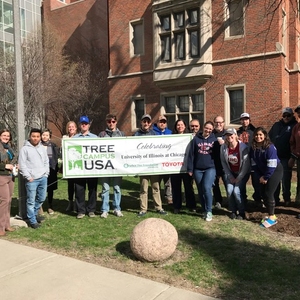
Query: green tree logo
(75, 158)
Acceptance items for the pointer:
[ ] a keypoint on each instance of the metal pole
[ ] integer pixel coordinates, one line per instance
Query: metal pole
(19, 102)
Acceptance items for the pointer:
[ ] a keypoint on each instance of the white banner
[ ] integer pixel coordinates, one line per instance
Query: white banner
(124, 156)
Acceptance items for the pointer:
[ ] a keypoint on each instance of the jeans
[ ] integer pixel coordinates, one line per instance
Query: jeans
(236, 193)
(285, 182)
(116, 181)
(36, 195)
(205, 180)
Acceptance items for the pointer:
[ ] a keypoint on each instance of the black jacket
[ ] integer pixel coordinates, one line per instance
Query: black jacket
(280, 135)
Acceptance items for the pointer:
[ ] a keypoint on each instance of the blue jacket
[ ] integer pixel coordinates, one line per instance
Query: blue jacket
(159, 132)
(264, 161)
(201, 153)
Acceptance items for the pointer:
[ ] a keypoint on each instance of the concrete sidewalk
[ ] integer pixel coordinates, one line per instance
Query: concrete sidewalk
(29, 273)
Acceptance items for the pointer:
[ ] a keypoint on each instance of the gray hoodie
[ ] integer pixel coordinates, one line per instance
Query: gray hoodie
(33, 161)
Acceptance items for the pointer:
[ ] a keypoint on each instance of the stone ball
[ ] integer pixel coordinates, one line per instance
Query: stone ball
(153, 240)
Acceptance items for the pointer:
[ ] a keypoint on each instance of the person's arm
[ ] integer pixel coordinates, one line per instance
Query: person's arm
(23, 164)
(271, 157)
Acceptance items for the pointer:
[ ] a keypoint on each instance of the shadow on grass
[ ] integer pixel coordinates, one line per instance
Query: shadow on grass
(247, 270)
(124, 249)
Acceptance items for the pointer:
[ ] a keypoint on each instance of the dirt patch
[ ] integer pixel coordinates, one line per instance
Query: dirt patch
(287, 216)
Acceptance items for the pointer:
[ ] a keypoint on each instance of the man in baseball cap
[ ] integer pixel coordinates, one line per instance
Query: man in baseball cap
(80, 183)
(245, 134)
(280, 135)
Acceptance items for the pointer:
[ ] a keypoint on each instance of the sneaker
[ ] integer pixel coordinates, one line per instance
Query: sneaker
(141, 214)
(232, 216)
(80, 216)
(118, 213)
(162, 212)
(40, 219)
(50, 211)
(218, 205)
(104, 215)
(35, 226)
(92, 214)
(208, 217)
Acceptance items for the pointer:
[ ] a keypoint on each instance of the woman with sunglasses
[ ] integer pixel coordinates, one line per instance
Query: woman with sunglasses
(111, 131)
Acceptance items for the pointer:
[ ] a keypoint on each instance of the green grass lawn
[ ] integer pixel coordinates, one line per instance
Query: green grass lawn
(229, 259)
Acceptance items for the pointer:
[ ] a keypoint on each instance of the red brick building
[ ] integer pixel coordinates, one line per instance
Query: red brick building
(199, 59)
(189, 59)
(82, 27)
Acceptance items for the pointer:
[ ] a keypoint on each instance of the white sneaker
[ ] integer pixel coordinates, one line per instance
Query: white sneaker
(118, 213)
(104, 215)
(218, 205)
(208, 217)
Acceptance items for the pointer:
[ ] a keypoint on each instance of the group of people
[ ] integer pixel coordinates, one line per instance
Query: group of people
(215, 153)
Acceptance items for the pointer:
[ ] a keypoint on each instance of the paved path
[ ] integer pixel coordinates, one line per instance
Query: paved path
(29, 273)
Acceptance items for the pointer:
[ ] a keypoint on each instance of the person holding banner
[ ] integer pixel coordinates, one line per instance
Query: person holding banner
(80, 183)
(161, 128)
(177, 179)
(71, 129)
(145, 130)
(111, 131)
(201, 165)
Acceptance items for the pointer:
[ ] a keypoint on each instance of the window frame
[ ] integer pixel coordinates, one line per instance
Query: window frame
(132, 25)
(227, 102)
(186, 115)
(135, 119)
(227, 19)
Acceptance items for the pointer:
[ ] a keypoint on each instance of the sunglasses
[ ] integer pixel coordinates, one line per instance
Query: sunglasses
(286, 116)
(194, 125)
(84, 123)
(111, 121)
(163, 121)
(146, 121)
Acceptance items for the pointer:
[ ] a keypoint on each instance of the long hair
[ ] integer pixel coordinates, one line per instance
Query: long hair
(266, 142)
(10, 136)
(175, 125)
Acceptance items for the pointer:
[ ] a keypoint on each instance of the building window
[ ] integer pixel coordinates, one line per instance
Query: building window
(137, 111)
(179, 35)
(234, 104)
(184, 106)
(136, 38)
(235, 15)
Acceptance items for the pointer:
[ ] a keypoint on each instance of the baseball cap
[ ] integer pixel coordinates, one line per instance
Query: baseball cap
(297, 108)
(84, 119)
(146, 116)
(287, 110)
(230, 131)
(245, 115)
(162, 117)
